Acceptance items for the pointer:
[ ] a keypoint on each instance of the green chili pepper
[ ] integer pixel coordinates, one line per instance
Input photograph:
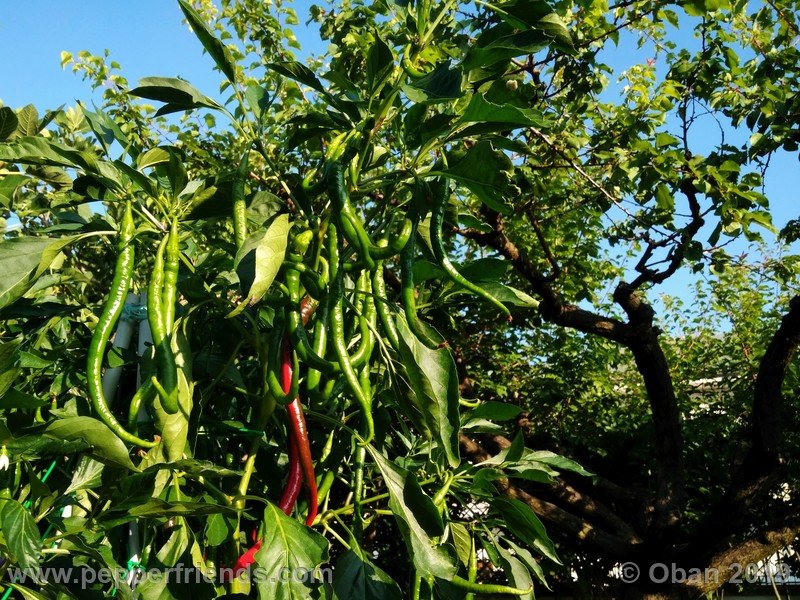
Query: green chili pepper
(472, 568)
(382, 305)
(172, 261)
(437, 220)
(358, 465)
(275, 361)
(349, 221)
(336, 325)
(367, 320)
(408, 291)
(102, 332)
(143, 396)
(320, 341)
(239, 206)
(157, 316)
(298, 333)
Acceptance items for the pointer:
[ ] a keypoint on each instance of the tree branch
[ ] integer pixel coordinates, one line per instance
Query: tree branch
(738, 553)
(567, 522)
(577, 500)
(652, 364)
(676, 254)
(552, 306)
(767, 396)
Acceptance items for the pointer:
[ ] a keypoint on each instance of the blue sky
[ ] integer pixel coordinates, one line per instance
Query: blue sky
(148, 38)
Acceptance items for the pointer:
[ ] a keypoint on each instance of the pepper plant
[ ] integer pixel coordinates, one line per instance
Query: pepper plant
(288, 380)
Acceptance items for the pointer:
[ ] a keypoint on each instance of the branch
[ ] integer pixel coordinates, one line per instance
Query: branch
(676, 254)
(640, 336)
(728, 562)
(579, 501)
(652, 364)
(767, 396)
(581, 529)
(552, 306)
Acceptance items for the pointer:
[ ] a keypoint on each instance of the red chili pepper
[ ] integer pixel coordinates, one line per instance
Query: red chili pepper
(299, 434)
(241, 564)
(295, 480)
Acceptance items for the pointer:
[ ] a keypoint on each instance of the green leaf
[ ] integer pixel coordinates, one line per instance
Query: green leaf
(288, 547)
(14, 398)
(28, 121)
(357, 578)
(258, 99)
(524, 524)
(8, 122)
(219, 529)
(516, 571)
(561, 463)
(664, 199)
(195, 468)
(20, 533)
(40, 151)
(509, 295)
(105, 129)
(665, 139)
(380, 61)
(106, 447)
(440, 85)
(486, 173)
(26, 593)
(496, 411)
(87, 475)
(23, 260)
(262, 253)
(415, 513)
(526, 558)
(161, 508)
(8, 185)
(434, 383)
(176, 93)
(34, 447)
(480, 110)
(462, 539)
(300, 73)
(152, 157)
(215, 48)
(502, 43)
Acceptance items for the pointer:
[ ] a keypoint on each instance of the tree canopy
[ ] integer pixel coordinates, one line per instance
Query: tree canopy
(535, 309)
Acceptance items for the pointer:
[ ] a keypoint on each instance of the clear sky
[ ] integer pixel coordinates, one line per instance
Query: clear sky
(148, 38)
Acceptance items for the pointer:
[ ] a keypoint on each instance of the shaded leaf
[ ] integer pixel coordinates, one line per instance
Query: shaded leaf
(434, 383)
(262, 254)
(288, 547)
(298, 72)
(23, 260)
(440, 85)
(480, 110)
(414, 513)
(8, 122)
(106, 447)
(20, 533)
(524, 524)
(486, 173)
(357, 578)
(380, 61)
(176, 93)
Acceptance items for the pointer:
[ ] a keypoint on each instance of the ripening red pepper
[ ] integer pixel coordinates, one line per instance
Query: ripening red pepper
(299, 435)
(295, 479)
